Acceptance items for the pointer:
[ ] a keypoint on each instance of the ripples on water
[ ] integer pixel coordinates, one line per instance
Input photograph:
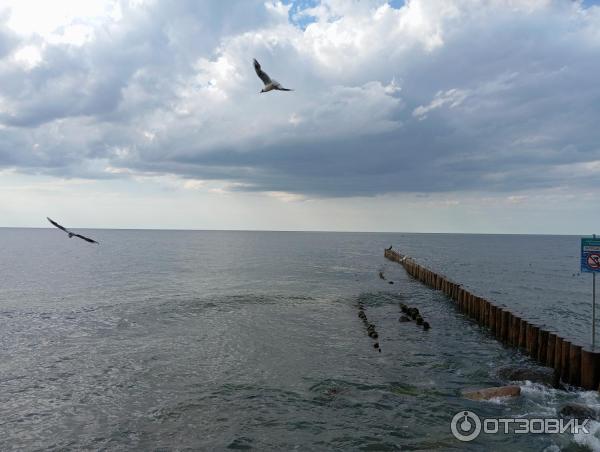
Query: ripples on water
(215, 340)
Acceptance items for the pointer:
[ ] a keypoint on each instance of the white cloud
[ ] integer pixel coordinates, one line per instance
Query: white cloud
(436, 96)
(452, 98)
(29, 56)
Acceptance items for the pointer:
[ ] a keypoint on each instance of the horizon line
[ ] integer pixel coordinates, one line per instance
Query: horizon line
(303, 231)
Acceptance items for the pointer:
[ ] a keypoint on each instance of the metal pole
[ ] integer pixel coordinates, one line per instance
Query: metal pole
(594, 308)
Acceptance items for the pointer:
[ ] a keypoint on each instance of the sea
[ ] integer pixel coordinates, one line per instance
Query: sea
(220, 340)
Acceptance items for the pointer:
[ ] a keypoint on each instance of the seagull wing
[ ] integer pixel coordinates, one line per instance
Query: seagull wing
(261, 74)
(87, 239)
(54, 223)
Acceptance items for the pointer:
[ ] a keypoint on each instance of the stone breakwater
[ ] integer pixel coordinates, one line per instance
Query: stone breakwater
(574, 364)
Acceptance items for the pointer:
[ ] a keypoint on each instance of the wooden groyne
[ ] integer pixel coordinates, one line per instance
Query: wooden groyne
(576, 365)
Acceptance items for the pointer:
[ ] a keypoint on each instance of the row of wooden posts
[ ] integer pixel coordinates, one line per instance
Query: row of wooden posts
(576, 365)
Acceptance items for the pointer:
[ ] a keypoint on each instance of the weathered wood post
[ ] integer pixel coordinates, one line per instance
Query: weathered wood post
(590, 369)
(476, 308)
(542, 346)
(575, 365)
(514, 331)
(550, 349)
(523, 334)
(558, 365)
(499, 311)
(470, 307)
(485, 313)
(492, 318)
(463, 301)
(506, 321)
(532, 340)
(564, 360)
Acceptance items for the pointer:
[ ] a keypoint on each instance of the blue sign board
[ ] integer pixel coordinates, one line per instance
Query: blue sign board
(590, 255)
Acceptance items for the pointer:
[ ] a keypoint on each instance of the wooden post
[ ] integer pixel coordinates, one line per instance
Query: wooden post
(492, 319)
(514, 331)
(485, 312)
(575, 365)
(590, 369)
(499, 322)
(542, 346)
(532, 340)
(558, 354)
(506, 321)
(550, 350)
(470, 306)
(477, 309)
(523, 334)
(564, 360)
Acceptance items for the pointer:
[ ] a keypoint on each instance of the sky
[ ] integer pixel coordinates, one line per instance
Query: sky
(417, 116)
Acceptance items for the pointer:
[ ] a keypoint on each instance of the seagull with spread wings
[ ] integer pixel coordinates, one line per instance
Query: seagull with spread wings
(71, 234)
(270, 84)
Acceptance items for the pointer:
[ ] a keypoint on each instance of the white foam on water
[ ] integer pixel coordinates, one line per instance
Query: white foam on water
(499, 400)
(542, 398)
(590, 440)
(589, 398)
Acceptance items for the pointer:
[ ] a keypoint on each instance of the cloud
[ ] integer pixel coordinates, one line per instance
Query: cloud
(452, 97)
(431, 96)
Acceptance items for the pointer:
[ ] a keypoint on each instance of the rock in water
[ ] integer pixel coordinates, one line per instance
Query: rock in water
(537, 374)
(404, 319)
(426, 326)
(577, 411)
(491, 393)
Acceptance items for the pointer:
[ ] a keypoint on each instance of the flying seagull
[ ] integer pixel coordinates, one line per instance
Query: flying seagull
(71, 234)
(270, 84)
